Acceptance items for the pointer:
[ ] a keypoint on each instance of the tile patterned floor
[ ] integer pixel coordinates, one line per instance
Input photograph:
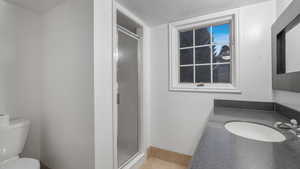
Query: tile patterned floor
(155, 163)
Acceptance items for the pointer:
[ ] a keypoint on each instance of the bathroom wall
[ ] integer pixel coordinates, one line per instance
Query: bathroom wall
(281, 5)
(67, 131)
(46, 76)
(103, 30)
(20, 46)
(178, 118)
(8, 67)
(28, 82)
(290, 99)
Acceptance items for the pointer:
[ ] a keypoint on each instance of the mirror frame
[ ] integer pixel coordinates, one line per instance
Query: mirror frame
(280, 79)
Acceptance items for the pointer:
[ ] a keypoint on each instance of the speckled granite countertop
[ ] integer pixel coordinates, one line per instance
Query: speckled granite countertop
(219, 149)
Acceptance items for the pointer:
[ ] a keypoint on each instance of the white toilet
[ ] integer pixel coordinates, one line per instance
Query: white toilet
(12, 139)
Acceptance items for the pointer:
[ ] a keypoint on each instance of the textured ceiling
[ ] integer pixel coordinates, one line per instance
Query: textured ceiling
(155, 12)
(36, 5)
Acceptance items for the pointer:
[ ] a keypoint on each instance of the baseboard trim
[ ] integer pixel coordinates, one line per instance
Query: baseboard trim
(178, 158)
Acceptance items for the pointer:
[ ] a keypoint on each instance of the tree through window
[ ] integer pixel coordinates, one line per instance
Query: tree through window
(205, 54)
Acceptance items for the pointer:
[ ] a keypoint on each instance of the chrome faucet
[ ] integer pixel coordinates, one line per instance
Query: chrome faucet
(292, 126)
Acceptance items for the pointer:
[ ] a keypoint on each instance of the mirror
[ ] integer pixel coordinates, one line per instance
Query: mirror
(292, 51)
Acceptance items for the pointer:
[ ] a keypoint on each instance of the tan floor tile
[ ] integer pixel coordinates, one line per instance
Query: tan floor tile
(154, 163)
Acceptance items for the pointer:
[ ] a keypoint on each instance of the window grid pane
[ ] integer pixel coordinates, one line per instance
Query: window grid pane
(203, 74)
(185, 38)
(203, 36)
(212, 63)
(194, 43)
(187, 74)
(221, 33)
(222, 73)
(211, 55)
(221, 53)
(186, 56)
(202, 55)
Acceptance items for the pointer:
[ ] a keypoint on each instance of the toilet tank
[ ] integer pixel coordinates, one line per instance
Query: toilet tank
(13, 138)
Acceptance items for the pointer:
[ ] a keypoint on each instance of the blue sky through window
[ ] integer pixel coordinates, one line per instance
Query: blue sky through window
(221, 33)
(221, 36)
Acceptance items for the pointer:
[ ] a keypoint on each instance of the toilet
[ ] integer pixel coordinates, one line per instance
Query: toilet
(12, 139)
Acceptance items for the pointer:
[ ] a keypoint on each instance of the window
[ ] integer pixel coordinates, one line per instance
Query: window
(203, 55)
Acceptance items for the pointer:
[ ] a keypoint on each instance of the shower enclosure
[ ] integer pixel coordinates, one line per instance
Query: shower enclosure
(128, 91)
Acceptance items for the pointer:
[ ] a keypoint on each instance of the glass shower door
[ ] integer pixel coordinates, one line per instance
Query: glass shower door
(128, 93)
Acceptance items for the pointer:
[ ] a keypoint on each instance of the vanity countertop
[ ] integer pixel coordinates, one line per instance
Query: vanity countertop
(219, 149)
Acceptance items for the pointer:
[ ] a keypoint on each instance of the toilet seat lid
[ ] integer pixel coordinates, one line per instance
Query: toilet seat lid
(22, 163)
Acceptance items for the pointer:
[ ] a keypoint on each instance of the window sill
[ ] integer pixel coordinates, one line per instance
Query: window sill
(206, 89)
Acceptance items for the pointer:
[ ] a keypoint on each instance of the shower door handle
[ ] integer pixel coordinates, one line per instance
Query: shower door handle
(118, 98)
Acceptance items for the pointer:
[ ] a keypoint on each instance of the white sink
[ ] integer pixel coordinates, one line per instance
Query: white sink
(254, 131)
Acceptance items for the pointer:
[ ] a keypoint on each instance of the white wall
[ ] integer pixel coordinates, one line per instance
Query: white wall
(46, 76)
(281, 5)
(290, 99)
(103, 32)
(29, 77)
(146, 119)
(8, 67)
(67, 133)
(178, 118)
(20, 32)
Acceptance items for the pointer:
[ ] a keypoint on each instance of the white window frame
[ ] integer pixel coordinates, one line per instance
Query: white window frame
(174, 49)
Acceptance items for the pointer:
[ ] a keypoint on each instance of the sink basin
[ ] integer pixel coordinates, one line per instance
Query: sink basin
(254, 131)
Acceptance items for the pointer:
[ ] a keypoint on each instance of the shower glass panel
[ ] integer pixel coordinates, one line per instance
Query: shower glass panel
(128, 94)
